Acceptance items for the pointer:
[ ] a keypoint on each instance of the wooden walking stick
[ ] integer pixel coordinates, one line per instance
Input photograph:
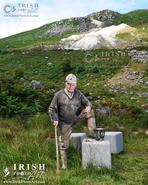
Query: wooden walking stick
(57, 152)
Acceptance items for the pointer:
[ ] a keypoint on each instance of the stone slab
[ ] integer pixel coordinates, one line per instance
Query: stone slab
(96, 152)
(76, 140)
(116, 141)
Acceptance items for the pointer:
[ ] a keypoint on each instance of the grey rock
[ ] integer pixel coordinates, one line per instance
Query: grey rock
(90, 98)
(36, 84)
(59, 29)
(141, 81)
(106, 16)
(86, 24)
(49, 63)
(143, 94)
(141, 56)
(103, 110)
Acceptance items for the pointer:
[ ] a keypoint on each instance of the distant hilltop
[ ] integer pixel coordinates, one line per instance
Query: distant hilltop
(105, 28)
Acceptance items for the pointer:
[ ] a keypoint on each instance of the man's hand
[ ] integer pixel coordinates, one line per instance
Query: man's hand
(88, 109)
(55, 123)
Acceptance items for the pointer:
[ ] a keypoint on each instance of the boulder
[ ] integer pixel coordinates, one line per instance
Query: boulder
(36, 84)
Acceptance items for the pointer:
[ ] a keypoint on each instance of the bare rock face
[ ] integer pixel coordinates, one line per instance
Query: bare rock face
(140, 56)
(106, 16)
(36, 84)
(95, 38)
(58, 29)
(127, 77)
(86, 24)
(82, 24)
(103, 110)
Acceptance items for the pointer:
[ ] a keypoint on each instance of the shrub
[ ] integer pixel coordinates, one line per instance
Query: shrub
(67, 67)
(95, 70)
(79, 69)
(19, 73)
(20, 99)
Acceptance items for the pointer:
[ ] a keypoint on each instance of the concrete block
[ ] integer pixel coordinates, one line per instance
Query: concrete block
(116, 141)
(76, 140)
(96, 152)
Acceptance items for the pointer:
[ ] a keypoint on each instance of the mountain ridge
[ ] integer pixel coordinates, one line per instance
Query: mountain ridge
(50, 34)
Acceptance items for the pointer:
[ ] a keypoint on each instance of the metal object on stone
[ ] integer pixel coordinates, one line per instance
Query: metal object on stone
(99, 133)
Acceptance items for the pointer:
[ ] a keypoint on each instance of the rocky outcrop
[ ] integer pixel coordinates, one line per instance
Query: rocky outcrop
(86, 24)
(140, 56)
(79, 24)
(95, 31)
(60, 27)
(103, 110)
(127, 77)
(36, 84)
(100, 37)
(106, 16)
(82, 24)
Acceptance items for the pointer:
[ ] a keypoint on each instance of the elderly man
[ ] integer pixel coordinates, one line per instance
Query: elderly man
(67, 107)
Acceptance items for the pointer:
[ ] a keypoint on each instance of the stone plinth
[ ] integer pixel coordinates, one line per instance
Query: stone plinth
(76, 140)
(96, 152)
(116, 141)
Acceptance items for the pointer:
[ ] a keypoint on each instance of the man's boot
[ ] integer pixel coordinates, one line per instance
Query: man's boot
(64, 159)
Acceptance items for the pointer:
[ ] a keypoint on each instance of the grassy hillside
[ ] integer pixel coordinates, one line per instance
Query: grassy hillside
(134, 18)
(41, 36)
(26, 132)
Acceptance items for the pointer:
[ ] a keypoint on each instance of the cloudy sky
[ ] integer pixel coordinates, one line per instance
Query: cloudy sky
(14, 20)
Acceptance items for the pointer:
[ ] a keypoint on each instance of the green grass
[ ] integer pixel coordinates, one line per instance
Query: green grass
(134, 18)
(35, 144)
(39, 36)
(33, 141)
(141, 34)
(93, 70)
(35, 65)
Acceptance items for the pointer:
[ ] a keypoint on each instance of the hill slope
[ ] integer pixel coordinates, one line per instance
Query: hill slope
(51, 34)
